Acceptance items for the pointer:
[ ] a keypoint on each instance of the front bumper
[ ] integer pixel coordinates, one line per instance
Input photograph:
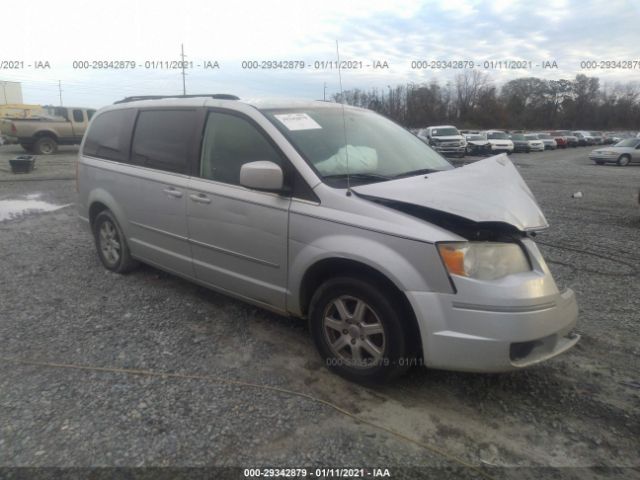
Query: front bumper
(449, 149)
(501, 149)
(477, 339)
(602, 158)
(497, 326)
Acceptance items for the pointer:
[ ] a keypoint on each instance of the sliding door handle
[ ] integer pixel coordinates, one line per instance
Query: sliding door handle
(200, 198)
(172, 192)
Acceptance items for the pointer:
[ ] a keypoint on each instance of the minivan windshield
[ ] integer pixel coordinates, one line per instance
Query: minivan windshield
(363, 144)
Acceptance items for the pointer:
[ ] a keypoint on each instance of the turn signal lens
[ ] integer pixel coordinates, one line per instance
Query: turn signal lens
(453, 258)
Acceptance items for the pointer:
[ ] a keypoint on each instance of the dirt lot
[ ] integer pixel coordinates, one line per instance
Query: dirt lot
(98, 369)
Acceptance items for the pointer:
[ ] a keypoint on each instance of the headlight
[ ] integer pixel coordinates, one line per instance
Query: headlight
(483, 260)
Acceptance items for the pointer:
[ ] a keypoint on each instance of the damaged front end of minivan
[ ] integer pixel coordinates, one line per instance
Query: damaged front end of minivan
(505, 310)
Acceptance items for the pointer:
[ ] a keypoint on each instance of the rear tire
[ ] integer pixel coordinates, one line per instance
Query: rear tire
(599, 162)
(111, 244)
(27, 148)
(359, 331)
(45, 146)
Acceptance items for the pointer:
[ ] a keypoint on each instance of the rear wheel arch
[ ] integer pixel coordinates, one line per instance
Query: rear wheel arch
(45, 133)
(94, 210)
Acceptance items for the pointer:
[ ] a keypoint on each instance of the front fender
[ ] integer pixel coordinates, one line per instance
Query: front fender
(410, 265)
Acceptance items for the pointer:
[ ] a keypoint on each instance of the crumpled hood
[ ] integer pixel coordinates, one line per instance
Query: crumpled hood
(490, 190)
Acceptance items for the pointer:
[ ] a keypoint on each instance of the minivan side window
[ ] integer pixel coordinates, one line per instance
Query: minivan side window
(162, 139)
(78, 117)
(109, 135)
(90, 114)
(229, 142)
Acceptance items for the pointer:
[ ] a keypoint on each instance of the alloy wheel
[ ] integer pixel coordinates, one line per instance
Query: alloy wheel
(354, 332)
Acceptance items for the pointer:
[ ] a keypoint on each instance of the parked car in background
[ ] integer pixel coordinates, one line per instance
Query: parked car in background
(535, 144)
(622, 153)
(42, 134)
(520, 143)
(549, 142)
(598, 137)
(570, 139)
(421, 261)
(561, 140)
(499, 140)
(477, 144)
(445, 139)
(585, 138)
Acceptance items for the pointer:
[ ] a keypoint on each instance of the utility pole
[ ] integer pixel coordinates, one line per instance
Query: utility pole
(184, 85)
(324, 92)
(60, 91)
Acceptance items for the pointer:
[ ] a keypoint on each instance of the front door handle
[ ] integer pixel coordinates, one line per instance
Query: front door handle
(172, 192)
(200, 198)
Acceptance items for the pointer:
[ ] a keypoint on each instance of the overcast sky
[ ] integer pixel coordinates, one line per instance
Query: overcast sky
(567, 31)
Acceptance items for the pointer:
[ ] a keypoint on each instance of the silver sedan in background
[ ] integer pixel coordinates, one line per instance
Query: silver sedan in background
(623, 153)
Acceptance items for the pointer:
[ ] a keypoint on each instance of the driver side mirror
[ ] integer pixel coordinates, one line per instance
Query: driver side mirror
(262, 175)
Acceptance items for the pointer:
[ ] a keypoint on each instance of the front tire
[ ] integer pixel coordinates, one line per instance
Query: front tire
(359, 332)
(624, 160)
(111, 244)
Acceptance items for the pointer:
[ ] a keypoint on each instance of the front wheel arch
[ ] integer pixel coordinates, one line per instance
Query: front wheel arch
(329, 268)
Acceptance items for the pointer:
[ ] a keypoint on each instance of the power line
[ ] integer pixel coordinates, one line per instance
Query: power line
(184, 75)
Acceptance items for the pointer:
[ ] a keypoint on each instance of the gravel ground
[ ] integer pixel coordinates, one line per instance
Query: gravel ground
(59, 309)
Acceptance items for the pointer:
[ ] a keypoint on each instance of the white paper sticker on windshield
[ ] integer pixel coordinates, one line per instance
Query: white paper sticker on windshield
(297, 121)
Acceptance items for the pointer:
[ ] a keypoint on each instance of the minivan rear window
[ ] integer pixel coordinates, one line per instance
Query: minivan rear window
(109, 135)
(162, 139)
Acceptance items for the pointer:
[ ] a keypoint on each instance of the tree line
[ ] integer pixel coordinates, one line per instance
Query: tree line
(473, 101)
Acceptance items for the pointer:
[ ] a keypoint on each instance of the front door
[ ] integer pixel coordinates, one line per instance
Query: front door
(238, 236)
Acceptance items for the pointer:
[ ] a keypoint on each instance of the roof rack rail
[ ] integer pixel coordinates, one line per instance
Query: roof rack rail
(218, 96)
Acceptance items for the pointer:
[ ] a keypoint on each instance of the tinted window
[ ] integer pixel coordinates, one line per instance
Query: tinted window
(109, 135)
(60, 112)
(90, 114)
(78, 116)
(162, 139)
(230, 142)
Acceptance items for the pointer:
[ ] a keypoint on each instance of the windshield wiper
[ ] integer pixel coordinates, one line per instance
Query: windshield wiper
(357, 176)
(412, 173)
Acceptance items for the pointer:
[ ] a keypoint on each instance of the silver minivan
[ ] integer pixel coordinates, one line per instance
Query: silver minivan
(333, 214)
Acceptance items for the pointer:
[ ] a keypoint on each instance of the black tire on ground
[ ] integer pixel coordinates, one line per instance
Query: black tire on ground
(45, 146)
(27, 148)
(396, 347)
(111, 245)
(623, 160)
(599, 162)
